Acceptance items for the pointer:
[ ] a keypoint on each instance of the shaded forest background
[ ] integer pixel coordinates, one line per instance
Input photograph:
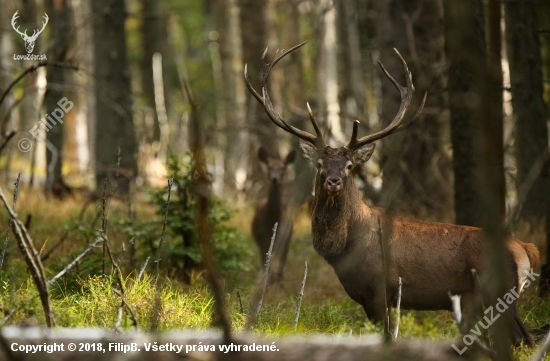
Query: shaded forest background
(124, 66)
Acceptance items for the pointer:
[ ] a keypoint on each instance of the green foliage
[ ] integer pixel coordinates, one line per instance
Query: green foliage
(181, 253)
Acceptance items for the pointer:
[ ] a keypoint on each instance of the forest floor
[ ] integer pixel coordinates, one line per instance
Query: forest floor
(83, 298)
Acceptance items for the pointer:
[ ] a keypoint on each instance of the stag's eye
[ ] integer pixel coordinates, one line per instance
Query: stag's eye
(349, 165)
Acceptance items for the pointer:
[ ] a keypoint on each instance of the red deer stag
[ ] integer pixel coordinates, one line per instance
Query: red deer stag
(432, 259)
(272, 210)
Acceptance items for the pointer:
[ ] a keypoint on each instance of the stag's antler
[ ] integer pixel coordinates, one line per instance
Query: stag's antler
(406, 96)
(265, 69)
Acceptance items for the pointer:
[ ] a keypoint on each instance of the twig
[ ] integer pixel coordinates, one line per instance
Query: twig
(10, 221)
(157, 261)
(26, 246)
(142, 270)
(259, 297)
(541, 352)
(300, 297)
(396, 329)
(7, 139)
(387, 335)
(241, 308)
(103, 228)
(75, 261)
(45, 256)
(130, 310)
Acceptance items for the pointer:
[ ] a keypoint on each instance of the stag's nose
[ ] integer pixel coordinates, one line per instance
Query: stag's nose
(334, 184)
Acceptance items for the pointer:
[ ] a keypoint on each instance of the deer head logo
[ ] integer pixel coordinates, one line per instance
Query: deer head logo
(29, 40)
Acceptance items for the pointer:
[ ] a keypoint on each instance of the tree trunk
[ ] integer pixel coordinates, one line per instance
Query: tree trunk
(114, 121)
(295, 98)
(464, 31)
(56, 91)
(475, 96)
(233, 93)
(154, 37)
(530, 115)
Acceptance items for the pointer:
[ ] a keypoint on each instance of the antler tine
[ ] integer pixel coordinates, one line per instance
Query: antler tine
(265, 69)
(406, 97)
(319, 138)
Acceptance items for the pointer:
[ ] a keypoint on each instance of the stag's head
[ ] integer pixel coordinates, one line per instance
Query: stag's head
(334, 164)
(276, 167)
(29, 40)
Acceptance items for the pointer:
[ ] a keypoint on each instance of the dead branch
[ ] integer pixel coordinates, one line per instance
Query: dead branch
(75, 261)
(26, 246)
(396, 329)
(142, 270)
(300, 297)
(258, 298)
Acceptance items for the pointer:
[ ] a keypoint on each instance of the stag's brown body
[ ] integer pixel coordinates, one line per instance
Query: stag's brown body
(273, 210)
(433, 259)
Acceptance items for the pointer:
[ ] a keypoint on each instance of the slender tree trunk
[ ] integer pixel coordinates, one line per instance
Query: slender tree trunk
(114, 121)
(530, 115)
(233, 93)
(56, 91)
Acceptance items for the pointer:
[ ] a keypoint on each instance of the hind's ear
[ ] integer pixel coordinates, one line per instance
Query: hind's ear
(363, 154)
(308, 151)
(262, 155)
(290, 157)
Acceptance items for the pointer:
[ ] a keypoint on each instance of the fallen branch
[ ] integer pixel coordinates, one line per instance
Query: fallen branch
(300, 297)
(75, 261)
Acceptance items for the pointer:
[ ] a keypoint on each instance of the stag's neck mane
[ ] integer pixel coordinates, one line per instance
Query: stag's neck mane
(332, 218)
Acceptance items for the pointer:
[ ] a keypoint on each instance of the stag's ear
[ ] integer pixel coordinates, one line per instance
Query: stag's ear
(308, 151)
(262, 155)
(363, 154)
(290, 157)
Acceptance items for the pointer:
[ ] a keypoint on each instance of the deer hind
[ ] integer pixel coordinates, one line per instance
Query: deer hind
(433, 259)
(272, 210)
(29, 40)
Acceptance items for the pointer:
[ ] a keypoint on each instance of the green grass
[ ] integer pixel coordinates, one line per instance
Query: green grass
(82, 298)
